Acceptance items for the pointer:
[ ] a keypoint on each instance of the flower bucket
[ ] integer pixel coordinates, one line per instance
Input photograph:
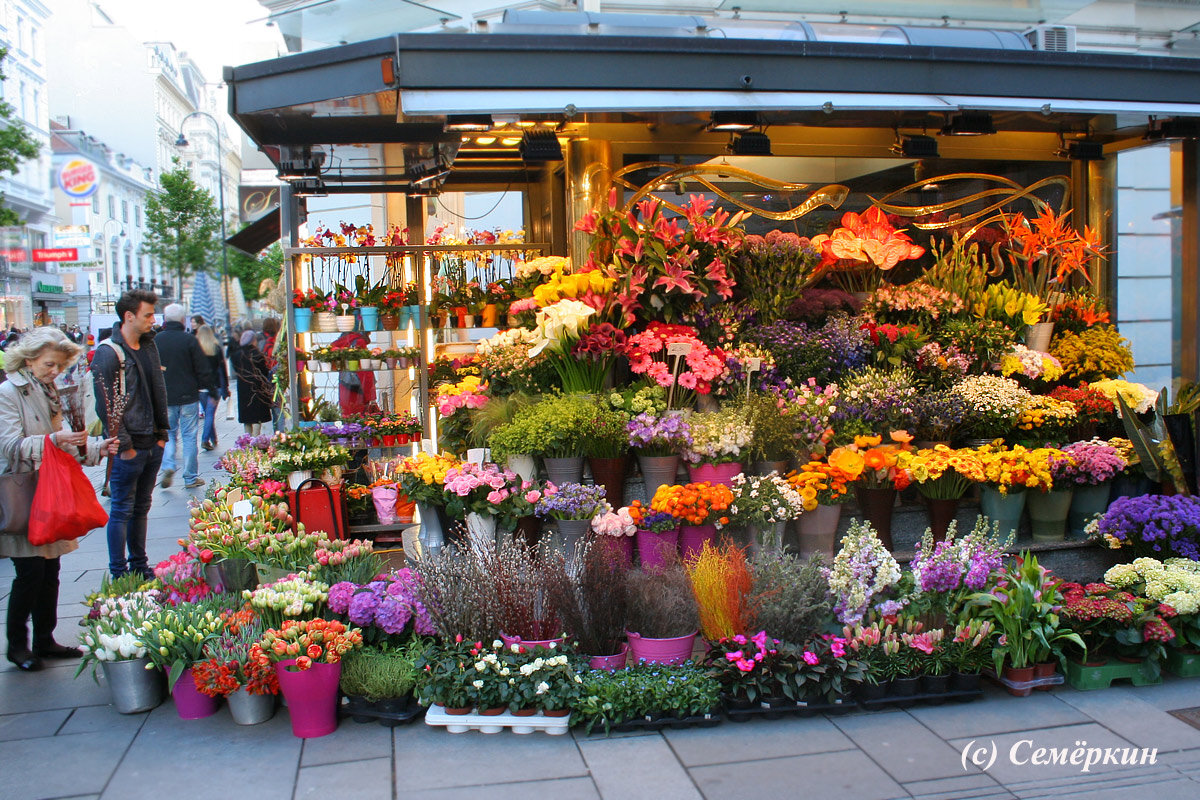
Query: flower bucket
(268, 573)
(657, 471)
(610, 663)
(431, 536)
(715, 473)
(877, 506)
(134, 688)
(490, 315)
(390, 321)
(325, 321)
(509, 641)
(251, 709)
(1087, 502)
(1004, 509)
(657, 549)
(298, 477)
(190, 702)
(765, 468)
(660, 651)
(344, 322)
(1048, 514)
(766, 537)
(818, 530)
(572, 531)
(384, 498)
(524, 466)
(564, 470)
(369, 316)
(610, 473)
(693, 537)
(941, 514)
(481, 530)
(1037, 337)
(231, 575)
(303, 317)
(312, 697)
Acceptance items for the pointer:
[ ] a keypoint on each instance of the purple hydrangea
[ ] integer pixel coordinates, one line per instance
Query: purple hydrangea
(340, 595)
(363, 608)
(392, 615)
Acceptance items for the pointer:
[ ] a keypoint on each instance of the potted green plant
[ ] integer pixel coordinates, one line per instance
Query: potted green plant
(370, 296)
(445, 673)
(606, 446)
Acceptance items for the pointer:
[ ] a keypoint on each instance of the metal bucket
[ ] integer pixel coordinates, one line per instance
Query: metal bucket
(251, 709)
(134, 687)
(231, 575)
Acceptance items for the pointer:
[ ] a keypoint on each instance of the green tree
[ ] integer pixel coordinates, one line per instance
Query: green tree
(16, 145)
(253, 270)
(181, 224)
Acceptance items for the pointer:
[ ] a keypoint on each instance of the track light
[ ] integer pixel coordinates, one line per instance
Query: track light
(732, 120)
(750, 143)
(916, 147)
(969, 123)
(1082, 150)
(540, 146)
(469, 122)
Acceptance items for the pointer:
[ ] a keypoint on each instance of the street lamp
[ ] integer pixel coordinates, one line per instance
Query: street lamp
(182, 141)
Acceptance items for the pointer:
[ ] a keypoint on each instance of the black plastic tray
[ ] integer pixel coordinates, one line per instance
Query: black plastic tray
(790, 710)
(660, 723)
(935, 698)
(363, 712)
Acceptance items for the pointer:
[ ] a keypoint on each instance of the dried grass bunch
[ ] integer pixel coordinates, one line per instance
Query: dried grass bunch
(661, 603)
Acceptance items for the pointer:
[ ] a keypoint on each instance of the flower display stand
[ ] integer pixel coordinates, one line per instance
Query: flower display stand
(1185, 665)
(1086, 677)
(555, 726)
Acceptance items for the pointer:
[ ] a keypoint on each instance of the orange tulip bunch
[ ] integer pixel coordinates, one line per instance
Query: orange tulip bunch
(308, 641)
(694, 503)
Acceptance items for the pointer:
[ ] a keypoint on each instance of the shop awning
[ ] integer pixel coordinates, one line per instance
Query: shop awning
(258, 235)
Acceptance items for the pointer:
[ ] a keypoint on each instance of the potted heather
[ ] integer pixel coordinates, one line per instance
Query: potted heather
(663, 618)
(718, 441)
(378, 681)
(573, 505)
(658, 441)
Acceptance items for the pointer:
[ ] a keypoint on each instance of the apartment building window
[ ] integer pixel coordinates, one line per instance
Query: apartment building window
(137, 216)
(33, 43)
(124, 211)
(112, 207)
(95, 202)
(37, 102)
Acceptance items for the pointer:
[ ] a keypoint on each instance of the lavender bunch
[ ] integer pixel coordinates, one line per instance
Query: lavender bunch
(572, 501)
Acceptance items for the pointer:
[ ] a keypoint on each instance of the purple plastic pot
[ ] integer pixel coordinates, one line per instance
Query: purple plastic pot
(190, 702)
(715, 473)
(693, 537)
(610, 663)
(657, 549)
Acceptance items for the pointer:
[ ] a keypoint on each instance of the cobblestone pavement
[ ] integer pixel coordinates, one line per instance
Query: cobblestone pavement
(60, 739)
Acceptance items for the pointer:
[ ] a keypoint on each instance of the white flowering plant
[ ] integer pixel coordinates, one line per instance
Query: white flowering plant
(113, 628)
(763, 500)
(1174, 583)
(718, 436)
(994, 404)
(862, 571)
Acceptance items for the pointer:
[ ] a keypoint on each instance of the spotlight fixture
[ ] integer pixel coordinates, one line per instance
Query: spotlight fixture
(1173, 128)
(468, 122)
(916, 147)
(732, 120)
(1082, 150)
(540, 146)
(750, 143)
(969, 123)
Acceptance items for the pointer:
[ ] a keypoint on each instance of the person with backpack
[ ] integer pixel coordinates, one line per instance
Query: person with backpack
(127, 365)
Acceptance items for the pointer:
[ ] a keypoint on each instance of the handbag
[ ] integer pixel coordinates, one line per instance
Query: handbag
(16, 500)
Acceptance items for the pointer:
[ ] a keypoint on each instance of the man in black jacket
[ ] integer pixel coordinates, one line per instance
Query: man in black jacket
(186, 371)
(127, 364)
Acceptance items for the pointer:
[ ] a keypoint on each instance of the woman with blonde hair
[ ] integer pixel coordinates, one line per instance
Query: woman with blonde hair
(29, 411)
(210, 397)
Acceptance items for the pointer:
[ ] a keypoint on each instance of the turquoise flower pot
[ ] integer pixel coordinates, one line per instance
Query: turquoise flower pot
(303, 319)
(369, 318)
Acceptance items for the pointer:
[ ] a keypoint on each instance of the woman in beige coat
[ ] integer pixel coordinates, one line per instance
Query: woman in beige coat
(29, 411)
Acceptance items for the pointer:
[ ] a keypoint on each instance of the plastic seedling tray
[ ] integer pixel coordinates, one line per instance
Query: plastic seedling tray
(461, 723)
(362, 711)
(1185, 665)
(653, 723)
(789, 709)
(1086, 677)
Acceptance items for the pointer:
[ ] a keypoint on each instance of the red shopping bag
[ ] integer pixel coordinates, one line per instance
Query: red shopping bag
(64, 505)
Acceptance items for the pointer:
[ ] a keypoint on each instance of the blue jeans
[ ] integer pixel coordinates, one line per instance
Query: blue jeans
(131, 486)
(208, 402)
(185, 423)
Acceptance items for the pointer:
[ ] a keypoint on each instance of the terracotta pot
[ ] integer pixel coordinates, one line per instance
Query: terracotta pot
(493, 712)
(556, 712)
(1046, 669)
(877, 506)
(610, 473)
(1022, 675)
(390, 321)
(458, 712)
(524, 712)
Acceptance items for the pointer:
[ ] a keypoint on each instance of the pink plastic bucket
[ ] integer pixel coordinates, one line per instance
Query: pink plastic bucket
(312, 697)
(620, 548)
(693, 537)
(190, 702)
(660, 651)
(509, 641)
(715, 473)
(610, 663)
(657, 549)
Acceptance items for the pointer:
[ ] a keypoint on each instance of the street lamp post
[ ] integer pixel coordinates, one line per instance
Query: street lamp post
(182, 141)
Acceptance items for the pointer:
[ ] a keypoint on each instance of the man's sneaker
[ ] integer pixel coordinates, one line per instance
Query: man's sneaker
(167, 476)
(195, 483)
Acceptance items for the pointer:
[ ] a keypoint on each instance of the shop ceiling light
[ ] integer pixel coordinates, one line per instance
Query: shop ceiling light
(916, 147)
(485, 140)
(969, 123)
(732, 120)
(538, 147)
(750, 143)
(1082, 150)
(509, 141)
(469, 122)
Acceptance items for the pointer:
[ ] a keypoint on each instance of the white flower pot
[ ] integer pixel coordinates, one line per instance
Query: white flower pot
(298, 477)
(325, 321)
(344, 322)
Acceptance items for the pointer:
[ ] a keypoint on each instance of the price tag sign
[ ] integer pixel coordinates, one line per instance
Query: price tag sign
(241, 509)
(753, 365)
(679, 348)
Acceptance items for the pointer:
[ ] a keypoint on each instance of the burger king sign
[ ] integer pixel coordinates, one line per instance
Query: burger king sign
(79, 178)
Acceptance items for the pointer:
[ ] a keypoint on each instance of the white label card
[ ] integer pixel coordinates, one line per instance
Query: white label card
(241, 509)
(679, 348)
(753, 365)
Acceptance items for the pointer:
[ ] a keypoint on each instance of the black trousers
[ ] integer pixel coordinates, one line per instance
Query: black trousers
(34, 594)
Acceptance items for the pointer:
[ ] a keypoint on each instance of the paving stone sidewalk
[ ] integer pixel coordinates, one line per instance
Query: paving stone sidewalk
(60, 739)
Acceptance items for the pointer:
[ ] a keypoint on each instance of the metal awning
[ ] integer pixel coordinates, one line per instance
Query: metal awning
(258, 235)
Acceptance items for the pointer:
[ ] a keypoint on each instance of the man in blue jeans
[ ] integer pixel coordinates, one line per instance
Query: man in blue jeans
(186, 372)
(127, 364)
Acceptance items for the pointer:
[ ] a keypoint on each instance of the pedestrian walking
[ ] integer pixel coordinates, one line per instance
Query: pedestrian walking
(186, 372)
(253, 384)
(29, 411)
(128, 363)
(270, 330)
(209, 398)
